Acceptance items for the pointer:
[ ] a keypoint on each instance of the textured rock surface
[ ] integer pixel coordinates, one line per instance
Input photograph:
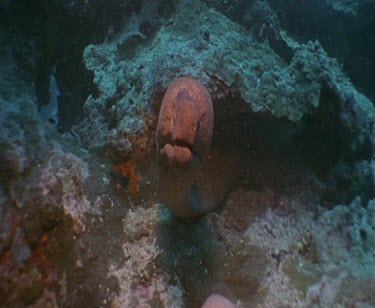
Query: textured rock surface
(261, 77)
(353, 45)
(284, 86)
(283, 78)
(293, 136)
(21, 138)
(41, 186)
(141, 281)
(314, 268)
(185, 256)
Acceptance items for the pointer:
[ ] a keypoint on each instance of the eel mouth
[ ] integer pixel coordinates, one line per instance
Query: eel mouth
(178, 153)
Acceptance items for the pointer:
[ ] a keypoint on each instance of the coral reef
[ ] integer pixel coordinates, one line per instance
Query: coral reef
(128, 171)
(169, 251)
(353, 42)
(141, 281)
(21, 138)
(298, 81)
(287, 173)
(41, 185)
(254, 70)
(345, 258)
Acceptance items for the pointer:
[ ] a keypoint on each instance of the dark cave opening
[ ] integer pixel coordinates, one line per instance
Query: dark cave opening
(319, 146)
(325, 142)
(63, 31)
(273, 153)
(349, 38)
(323, 138)
(271, 158)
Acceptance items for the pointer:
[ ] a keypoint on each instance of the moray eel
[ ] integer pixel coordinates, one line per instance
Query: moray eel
(183, 139)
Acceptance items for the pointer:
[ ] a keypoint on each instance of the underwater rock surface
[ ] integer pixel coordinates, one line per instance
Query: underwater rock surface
(290, 161)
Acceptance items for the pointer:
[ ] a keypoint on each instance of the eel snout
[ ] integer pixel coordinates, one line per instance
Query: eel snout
(185, 125)
(182, 140)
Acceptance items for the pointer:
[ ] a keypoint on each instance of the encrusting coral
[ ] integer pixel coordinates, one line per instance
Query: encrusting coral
(128, 170)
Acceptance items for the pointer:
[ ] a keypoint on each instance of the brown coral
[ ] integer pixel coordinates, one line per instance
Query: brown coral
(128, 170)
(183, 138)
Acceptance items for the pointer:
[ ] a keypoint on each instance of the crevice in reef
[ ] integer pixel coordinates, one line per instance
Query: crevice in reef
(325, 141)
(272, 151)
